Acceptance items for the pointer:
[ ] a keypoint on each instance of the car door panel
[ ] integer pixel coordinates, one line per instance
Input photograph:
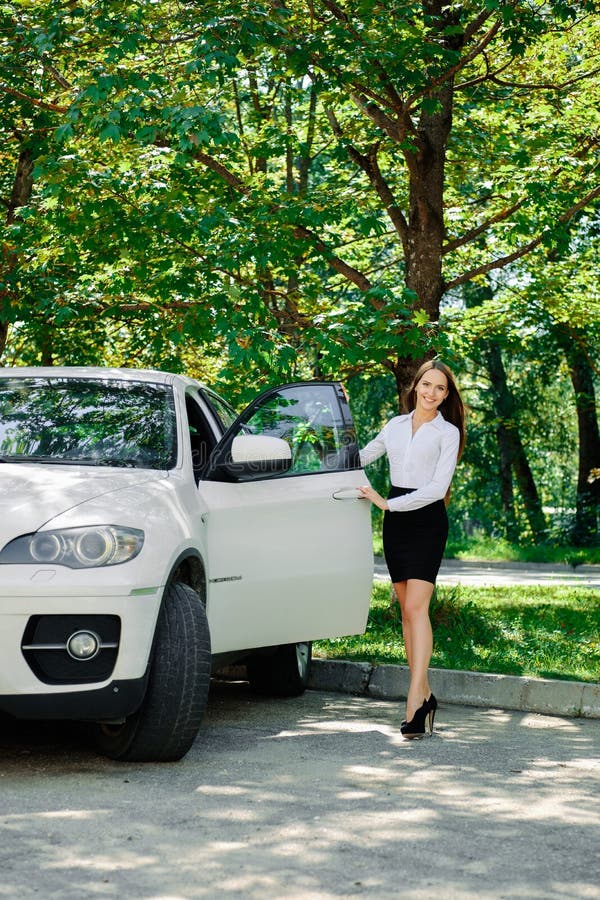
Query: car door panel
(286, 569)
(288, 561)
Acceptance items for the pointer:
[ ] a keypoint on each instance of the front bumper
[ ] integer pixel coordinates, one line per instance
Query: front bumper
(26, 692)
(115, 701)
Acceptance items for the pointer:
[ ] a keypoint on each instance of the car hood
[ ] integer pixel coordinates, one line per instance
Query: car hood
(31, 495)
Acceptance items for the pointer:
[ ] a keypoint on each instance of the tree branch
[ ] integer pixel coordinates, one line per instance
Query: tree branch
(385, 194)
(370, 167)
(501, 216)
(348, 272)
(306, 158)
(392, 127)
(469, 236)
(56, 75)
(544, 85)
(41, 104)
(503, 261)
(218, 168)
(342, 268)
(453, 70)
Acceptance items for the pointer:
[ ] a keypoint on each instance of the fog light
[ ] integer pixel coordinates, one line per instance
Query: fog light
(83, 645)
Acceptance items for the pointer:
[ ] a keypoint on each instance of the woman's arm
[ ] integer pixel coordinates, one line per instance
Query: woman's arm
(373, 450)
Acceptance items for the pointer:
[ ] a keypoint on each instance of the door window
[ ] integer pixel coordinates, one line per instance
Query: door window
(313, 419)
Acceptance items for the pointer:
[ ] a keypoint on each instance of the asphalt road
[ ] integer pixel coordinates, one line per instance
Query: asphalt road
(316, 797)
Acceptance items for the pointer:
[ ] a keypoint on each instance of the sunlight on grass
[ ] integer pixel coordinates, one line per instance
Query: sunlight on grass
(483, 547)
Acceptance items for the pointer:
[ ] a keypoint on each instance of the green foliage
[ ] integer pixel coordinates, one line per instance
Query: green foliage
(199, 138)
(545, 632)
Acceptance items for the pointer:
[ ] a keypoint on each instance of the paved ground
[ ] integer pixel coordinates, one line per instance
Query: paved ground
(454, 571)
(313, 798)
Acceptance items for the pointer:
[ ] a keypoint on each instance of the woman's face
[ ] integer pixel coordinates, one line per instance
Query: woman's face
(431, 390)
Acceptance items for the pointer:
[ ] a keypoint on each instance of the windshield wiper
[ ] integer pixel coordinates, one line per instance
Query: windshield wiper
(55, 460)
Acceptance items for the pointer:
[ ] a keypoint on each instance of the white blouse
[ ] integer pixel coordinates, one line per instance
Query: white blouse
(425, 460)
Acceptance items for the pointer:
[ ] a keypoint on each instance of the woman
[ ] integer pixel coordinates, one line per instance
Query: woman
(423, 448)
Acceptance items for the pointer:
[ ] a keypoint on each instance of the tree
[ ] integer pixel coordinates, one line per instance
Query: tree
(25, 124)
(585, 527)
(571, 302)
(531, 334)
(331, 171)
(504, 415)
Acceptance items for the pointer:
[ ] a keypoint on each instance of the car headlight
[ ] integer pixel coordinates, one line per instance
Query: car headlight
(77, 548)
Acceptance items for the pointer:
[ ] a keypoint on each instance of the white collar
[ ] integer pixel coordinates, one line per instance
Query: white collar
(438, 421)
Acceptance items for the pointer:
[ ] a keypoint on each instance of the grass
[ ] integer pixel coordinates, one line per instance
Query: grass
(487, 548)
(545, 632)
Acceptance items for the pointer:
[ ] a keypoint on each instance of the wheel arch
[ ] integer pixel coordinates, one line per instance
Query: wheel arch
(189, 569)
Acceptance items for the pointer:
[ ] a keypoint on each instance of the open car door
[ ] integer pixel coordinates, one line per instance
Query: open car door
(289, 541)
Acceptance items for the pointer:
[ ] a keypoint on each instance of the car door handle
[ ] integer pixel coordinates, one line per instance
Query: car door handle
(347, 493)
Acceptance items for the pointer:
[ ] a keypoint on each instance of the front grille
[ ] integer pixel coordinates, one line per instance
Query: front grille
(44, 647)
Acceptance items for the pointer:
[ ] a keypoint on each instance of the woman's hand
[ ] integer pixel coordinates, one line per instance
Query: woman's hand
(368, 493)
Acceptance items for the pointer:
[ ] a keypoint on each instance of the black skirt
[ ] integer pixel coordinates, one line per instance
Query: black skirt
(414, 541)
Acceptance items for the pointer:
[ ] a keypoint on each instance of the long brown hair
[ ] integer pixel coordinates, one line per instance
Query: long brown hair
(452, 408)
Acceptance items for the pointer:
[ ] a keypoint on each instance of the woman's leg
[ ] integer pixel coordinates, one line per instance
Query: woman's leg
(400, 590)
(416, 614)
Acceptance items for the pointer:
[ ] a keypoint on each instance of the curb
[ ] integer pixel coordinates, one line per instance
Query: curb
(389, 682)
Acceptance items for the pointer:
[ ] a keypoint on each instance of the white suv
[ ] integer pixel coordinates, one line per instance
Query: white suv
(149, 536)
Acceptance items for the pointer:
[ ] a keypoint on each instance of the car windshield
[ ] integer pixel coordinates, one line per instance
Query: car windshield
(91, 422)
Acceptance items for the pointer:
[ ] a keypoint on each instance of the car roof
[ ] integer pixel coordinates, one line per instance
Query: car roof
(97, 372)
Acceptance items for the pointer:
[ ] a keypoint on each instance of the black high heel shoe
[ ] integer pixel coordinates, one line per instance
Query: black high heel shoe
(432, 704)
(416, 727)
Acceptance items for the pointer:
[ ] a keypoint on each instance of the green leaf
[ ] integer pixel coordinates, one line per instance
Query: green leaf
(110, 132)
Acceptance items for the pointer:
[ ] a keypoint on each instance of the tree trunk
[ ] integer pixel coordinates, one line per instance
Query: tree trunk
(512, 451)
(511, 529)
(585, 527)
(423, 144)
(404, 369)
(426, 207)
(3, 337)
(425, 233)
(20, 194)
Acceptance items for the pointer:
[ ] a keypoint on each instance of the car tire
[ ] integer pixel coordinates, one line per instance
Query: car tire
(282, 673)
(165, 726)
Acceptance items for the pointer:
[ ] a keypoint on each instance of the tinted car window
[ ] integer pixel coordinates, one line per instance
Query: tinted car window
(310, 420)
(220, 407)
(89, 422)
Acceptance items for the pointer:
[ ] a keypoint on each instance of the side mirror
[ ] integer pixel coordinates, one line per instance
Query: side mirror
(256, 455)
